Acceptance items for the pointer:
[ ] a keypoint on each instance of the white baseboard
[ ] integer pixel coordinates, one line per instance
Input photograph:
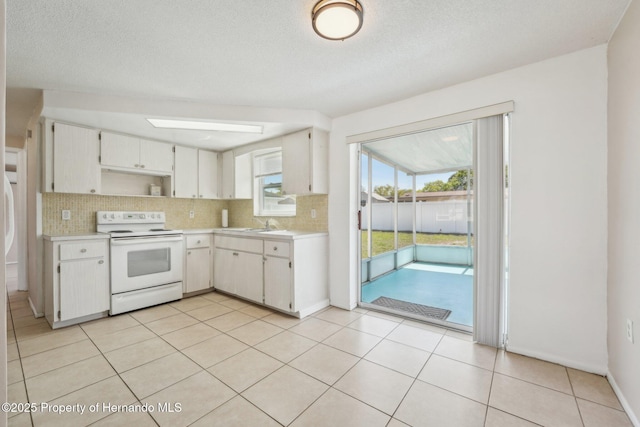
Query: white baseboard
(33, 308)
(632, 416)
(588, 367)
(312, 309)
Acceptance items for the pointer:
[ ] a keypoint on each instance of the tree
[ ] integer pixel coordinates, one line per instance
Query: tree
(384, 190)
(456, 182)
(435, 186)
(459, 180)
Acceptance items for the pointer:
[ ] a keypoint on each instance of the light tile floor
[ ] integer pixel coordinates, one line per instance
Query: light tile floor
(212, 360)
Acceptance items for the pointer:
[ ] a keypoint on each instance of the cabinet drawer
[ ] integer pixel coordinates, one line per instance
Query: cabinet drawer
(239, 244)
(80, 250)
(198, 241)
(276, 248)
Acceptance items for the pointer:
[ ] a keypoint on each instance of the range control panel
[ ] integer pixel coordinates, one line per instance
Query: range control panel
(121, 217)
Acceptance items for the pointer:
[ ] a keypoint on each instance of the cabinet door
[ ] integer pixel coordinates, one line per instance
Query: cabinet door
(277, 283)
(119, 150)
(249, 276)
(198, 270)
(75, 160)
(296, 165)
(224, 270)
(84, 288)
(156, 156)
(207, 174)
(228, 175)
(186, 172)
(243, 176)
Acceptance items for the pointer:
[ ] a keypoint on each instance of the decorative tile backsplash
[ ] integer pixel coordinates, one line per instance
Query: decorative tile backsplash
(208, 213)
(241, 215)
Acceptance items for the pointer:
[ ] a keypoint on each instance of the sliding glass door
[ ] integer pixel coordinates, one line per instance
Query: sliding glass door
(416, 225)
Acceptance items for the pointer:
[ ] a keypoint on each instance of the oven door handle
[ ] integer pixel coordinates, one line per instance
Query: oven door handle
(144, 240)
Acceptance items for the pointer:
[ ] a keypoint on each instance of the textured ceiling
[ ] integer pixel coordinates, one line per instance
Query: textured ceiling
(265, 54)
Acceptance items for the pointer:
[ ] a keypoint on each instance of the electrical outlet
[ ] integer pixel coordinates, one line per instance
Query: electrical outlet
(313, 213)
(630, 330)
(66, 215)
(192, 214)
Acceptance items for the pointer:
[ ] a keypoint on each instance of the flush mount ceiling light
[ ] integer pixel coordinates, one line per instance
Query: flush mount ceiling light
(196, 125)
(337, 19)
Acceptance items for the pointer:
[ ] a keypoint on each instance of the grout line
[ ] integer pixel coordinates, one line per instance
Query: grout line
(24, 378)
(314, 346)
(573, 393)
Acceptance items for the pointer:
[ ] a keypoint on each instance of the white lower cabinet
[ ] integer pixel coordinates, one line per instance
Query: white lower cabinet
(223, 270)
(249, 276)
(238, 267)
(76, 281)
(277, 283)
(288, 274)
(197, 263)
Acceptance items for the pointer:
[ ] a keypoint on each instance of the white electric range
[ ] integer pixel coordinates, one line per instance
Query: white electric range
(146, 259)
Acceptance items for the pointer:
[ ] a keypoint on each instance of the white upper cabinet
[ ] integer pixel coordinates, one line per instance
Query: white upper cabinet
(237, 178)
(186, 172)
(156, 156)
(119, 150)
(76, 168)
(243, 174)
(196, 173)
(128, 152)
(207, 174)
(305, 162)
(228, 170)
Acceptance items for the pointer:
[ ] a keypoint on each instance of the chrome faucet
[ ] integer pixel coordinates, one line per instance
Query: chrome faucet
(266, 224)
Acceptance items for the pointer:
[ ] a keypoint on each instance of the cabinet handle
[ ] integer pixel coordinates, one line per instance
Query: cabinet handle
(83, 251)
(93, 191)
(235, 254)
(201, 195)
(199, 241)
(142, 166)
(275, 248)
(136, 165)
(101, 261)
(189, 253)
(194, 196)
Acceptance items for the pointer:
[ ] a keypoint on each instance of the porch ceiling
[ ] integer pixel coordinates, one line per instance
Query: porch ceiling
(436, 150)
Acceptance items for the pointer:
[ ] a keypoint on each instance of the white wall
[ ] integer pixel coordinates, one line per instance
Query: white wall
(34, 217)
(624, 208)
(557, 300)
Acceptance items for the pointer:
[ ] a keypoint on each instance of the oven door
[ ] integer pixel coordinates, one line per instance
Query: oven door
(143, 262)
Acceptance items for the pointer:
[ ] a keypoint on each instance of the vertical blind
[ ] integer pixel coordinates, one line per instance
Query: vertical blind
(489, 208)
(267, 164)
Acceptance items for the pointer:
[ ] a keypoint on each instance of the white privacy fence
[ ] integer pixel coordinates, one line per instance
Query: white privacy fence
(431, 217)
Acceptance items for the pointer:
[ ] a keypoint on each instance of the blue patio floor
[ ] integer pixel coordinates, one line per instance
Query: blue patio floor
(435, 285)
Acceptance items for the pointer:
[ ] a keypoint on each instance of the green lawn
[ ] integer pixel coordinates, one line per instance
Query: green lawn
(383, 240)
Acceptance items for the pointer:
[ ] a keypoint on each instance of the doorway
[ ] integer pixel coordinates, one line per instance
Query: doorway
(417, 225)
(433, 210)
(16, 259)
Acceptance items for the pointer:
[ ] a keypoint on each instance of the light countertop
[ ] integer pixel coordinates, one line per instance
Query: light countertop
(238, 232)
(257, 232)
(78, 236)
